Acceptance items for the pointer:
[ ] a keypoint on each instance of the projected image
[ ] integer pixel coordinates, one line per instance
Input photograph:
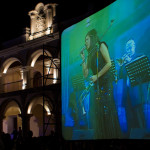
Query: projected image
(105, 74)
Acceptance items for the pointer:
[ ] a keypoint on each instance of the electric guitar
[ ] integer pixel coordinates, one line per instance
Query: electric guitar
(84, 95)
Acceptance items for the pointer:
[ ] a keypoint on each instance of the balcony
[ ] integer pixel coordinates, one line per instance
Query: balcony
(35, 82)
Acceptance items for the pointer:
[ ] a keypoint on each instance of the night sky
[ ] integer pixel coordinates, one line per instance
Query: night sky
(14, 14)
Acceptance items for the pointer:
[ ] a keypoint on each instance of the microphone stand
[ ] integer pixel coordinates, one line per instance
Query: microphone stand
(98, 90)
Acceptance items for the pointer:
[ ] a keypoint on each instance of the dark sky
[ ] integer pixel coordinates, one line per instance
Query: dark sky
(14, 14)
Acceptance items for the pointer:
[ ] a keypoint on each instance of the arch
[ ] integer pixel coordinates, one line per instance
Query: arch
(35, 108)
(11, 110)
(8, 63)
(4, 105)
(36, 55)
(39, 100)
(10, 104)
(39, 6)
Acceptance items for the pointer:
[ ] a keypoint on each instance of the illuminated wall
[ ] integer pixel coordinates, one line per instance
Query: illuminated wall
(42, 20)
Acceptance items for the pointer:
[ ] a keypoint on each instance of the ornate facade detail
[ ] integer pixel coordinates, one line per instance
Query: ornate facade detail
(42, 20)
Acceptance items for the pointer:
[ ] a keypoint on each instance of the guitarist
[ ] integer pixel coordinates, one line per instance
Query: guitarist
(105, 120)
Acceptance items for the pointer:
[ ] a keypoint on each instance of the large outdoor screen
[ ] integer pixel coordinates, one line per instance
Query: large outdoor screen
(105, 74)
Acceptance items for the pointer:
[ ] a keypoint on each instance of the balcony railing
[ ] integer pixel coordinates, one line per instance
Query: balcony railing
(11, 86)
(32, 83)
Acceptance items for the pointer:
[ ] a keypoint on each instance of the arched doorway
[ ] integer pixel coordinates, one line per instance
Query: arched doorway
(36, 121)
(37, 80)
(12, 121)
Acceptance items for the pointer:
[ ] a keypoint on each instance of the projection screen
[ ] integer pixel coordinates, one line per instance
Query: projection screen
(105, 74)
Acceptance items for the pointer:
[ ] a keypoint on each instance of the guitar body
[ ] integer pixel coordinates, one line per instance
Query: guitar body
(84, 95)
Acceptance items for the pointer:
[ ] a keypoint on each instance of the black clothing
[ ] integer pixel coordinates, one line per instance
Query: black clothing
(106, 119)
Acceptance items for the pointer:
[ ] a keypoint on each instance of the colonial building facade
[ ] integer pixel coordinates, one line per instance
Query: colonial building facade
(30, 76)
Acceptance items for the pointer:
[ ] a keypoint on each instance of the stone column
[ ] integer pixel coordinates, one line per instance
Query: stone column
(2, 117)
(56, 72)
(54, 9)
(33, 15)
(49, 18)
(26, 33)
(24, 76)
(54, 25)
(47, 65)
(25, 123)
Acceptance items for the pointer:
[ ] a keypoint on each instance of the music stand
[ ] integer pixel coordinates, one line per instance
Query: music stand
(138, 70)
(78, 82)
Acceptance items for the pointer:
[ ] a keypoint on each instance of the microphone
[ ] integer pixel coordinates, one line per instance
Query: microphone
(83, 48)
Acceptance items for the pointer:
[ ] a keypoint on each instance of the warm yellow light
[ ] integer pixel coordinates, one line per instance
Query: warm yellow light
(36, 55)
(47, 110)
(8, 63)
(45, 106)
(55, 76)
(29, 109)
(35, 58)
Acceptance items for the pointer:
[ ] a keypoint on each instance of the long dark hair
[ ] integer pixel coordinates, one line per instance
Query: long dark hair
(94, 39)
(94, 44)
